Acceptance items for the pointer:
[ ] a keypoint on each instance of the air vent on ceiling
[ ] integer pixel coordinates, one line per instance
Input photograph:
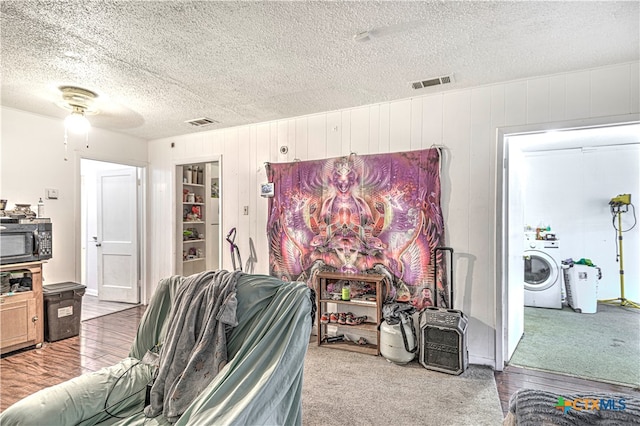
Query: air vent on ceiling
(421, 84)
(199, 122)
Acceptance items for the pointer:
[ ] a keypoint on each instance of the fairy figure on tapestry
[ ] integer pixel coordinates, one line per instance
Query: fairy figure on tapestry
(357, 214)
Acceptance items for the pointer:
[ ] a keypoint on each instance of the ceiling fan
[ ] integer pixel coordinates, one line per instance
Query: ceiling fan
(103, 110)
(81, 103)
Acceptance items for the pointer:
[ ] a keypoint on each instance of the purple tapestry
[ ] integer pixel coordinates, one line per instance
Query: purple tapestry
(358, 214)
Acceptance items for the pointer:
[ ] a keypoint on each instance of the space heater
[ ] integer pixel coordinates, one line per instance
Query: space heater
(443, 332)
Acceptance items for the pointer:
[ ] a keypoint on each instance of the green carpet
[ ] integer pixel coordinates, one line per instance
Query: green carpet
(604, 346)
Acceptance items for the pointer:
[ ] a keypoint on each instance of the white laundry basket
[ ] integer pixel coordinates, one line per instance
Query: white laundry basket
(581, 282)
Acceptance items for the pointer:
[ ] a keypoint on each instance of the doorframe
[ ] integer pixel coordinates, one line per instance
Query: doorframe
(501, 211)
(143, 167)
(174, 200)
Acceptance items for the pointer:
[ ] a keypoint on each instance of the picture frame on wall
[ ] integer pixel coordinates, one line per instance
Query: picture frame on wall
(267, 190)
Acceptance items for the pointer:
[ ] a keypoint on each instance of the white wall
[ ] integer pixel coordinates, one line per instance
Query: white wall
(465, 121)
(32, 159)
(569, 190)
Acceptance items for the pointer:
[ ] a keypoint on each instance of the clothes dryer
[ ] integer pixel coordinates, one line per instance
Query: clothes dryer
(542, 274)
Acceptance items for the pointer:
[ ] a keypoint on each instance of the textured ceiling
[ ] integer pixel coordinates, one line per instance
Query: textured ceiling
(157, 64)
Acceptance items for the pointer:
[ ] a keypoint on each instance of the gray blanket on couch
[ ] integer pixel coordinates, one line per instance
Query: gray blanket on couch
(195, 348)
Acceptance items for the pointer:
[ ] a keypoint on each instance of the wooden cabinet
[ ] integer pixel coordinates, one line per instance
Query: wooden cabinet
(366, 297)
(21, 313)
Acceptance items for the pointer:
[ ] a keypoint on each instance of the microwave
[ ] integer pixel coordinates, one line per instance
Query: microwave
(25, 240)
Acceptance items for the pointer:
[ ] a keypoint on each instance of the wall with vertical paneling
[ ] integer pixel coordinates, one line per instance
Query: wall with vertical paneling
(463, 121)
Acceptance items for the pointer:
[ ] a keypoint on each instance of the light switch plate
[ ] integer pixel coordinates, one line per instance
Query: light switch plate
(52, 194)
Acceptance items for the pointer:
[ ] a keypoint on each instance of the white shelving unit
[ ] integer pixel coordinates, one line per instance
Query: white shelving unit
(193, 231)
(197, 216)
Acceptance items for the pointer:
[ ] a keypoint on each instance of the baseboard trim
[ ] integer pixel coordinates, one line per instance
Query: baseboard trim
(477, 360)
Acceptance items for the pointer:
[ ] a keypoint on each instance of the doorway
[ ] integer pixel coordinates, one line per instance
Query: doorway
(197, 217)
(579, 210)
(110, 236)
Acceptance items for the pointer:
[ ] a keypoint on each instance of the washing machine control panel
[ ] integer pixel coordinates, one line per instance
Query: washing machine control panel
(542, 244)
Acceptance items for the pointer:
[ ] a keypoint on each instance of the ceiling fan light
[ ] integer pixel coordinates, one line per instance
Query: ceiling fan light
(77, 123)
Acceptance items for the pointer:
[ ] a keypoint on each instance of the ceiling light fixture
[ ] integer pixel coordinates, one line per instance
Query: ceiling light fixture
(72, 55)
(76, 122)
(79, 102)
(363, 36)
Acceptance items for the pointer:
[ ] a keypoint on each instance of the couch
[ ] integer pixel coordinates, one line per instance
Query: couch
(261, 383)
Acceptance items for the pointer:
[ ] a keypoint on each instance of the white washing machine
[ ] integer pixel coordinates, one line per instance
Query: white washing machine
(542, 274)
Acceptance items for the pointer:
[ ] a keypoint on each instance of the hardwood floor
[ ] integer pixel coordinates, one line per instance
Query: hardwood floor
(514, 378)
(105, 340)
(102, 342)
(93, 308)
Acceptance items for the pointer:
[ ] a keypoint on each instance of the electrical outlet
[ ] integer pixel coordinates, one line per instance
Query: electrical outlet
(246, 210)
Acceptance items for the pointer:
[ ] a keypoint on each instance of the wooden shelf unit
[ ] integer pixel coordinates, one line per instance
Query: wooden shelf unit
(21, 314)
(323, 279)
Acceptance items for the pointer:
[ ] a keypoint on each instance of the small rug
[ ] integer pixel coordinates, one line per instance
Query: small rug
(604, 346)
(348, 388)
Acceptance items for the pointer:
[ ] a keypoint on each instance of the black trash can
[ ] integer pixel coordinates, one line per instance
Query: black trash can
(62, 310)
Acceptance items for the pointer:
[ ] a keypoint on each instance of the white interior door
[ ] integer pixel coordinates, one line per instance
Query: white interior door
(212, 185)
(117, 241)
(515, 249)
